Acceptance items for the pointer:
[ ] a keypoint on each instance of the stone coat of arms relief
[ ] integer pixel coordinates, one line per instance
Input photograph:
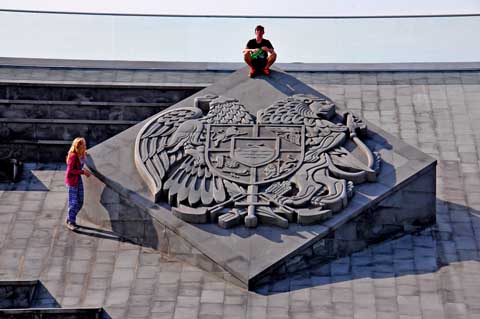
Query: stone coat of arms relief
(293, 162)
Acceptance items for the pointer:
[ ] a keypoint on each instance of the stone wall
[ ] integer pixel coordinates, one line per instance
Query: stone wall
(409, 209)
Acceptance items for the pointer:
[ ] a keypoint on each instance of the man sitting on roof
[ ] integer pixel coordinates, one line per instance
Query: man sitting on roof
(259, 53)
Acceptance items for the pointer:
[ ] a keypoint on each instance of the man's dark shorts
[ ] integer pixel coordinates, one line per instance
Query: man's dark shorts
(259, 64)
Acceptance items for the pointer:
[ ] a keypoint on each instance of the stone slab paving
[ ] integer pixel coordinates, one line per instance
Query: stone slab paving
(433, 274)
(98, 77)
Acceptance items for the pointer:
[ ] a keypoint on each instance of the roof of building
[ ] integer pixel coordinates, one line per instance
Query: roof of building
(435, 273)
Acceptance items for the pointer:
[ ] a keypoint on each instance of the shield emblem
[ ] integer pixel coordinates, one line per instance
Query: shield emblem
(254, 154)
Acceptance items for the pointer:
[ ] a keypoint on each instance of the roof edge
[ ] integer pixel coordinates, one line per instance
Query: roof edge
(233, 66)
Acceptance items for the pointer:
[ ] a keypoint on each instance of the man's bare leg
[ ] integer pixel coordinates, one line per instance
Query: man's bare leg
(248, 59)
(270, 60)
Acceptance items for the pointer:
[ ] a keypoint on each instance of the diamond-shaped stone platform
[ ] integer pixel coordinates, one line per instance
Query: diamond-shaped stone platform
(402, 200)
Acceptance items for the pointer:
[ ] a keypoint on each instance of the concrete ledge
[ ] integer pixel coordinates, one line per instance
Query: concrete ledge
(40, 151)
(229, 67)
(106, 84)
(67, 121)
(18, 283)
(38, 142)
(78, 111)
(53, 313)
(83, 103)
(95, 131)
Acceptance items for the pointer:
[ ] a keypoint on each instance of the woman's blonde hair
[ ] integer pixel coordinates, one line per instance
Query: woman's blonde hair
(75, 148)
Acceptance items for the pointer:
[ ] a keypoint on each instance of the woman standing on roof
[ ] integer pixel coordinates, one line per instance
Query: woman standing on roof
(75, 160)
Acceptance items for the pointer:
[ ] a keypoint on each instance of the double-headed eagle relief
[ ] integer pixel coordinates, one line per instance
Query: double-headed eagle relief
(297, 161)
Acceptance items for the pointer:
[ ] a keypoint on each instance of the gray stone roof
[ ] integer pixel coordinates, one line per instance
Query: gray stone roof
(433, 274)
(185, 74)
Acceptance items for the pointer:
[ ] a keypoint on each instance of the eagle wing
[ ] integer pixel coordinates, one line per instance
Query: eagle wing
(192, 181)
(171, 152)
(292, 110)
(224, 110)
(154, 143)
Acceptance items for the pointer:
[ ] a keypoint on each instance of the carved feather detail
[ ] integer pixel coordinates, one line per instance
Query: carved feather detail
(169, 151)
(212, 160)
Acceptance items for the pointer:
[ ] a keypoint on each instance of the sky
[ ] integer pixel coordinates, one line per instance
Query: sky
(253, 7)
(221, 39)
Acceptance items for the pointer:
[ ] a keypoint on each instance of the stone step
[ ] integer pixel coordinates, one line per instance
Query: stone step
(53, 313)
(38, 142)
(38, 121)
(23, 294)
(17, 294)
(83, 103)
(10, 169)
(67, 121)
(38, 109)
(94, 131)
(29, 299)
(42, 151)
(95, 93)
